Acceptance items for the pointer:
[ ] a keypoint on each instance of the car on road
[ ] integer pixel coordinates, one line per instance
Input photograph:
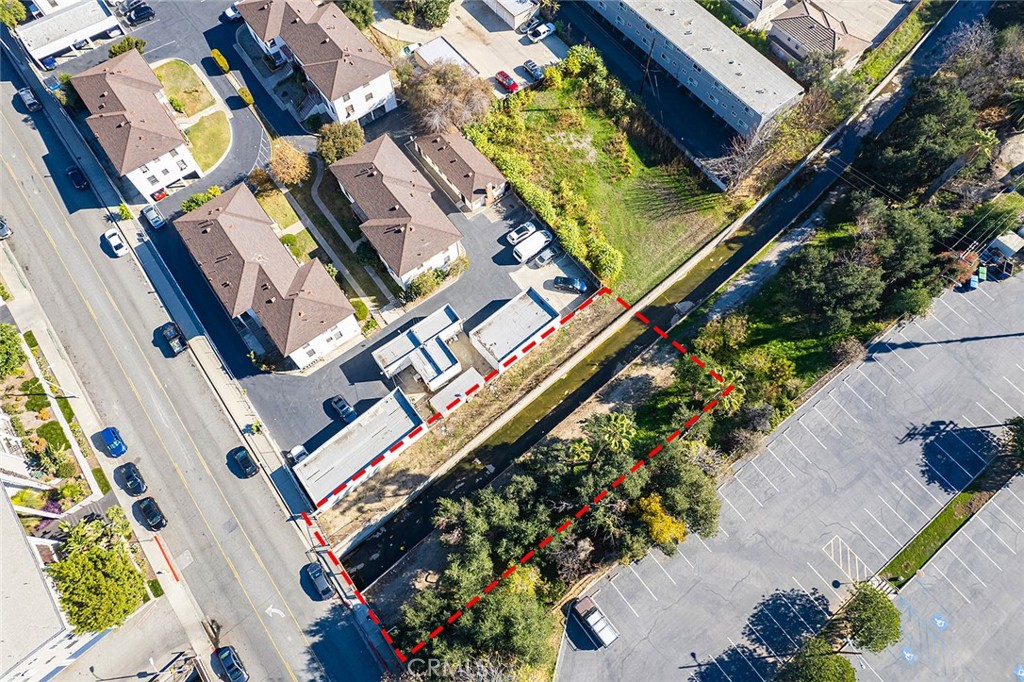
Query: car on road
(113, 442)
(232, 13)
(541, 32)
(140, 15)
(546, 256)
(536, 73)
(244, 461)
(532, 245)
(316, 574)
(506, 81)
(344, 411)
(153, 215)
(28, 98)
(174, 338)
(78, 178)
(116, 243)
(151, 512)
(522, 232)
(232, 664)
(572, 285)
(595, 621)
(133, 481)
(528, 26)
(5, 229)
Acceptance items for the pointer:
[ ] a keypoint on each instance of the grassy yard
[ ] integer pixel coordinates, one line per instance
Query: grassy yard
(339, 207)
(277, 207)
(210, 139)
(181, 82)
(303, 246)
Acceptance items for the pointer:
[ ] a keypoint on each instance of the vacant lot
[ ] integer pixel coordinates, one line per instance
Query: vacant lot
(181, 83)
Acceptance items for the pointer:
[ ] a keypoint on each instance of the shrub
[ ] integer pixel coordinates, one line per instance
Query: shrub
(359, 12)
(434, 13)
(4, 293)
(126, 44)
(12, 357)
(176, 104)
(123, 212)
(423, 285)
(221, 60)
(848, 351)
(17, 426)
(30, 340)
(338, 140)
(53, 434)
(197, 200)
(66, 469)
(366, 254)
(246, 96)
(552, 78)
(370, 326)
(362, 312)
(101, 480)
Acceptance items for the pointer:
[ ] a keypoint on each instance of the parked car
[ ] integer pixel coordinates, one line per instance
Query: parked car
(232, 13)
(595, 621)
(48, 63)
(151, 512)
(507, 82)
(28, 98)
(80, 44)
(133, 481)
(232, 664)
(116, 243)
(546, 256)
(244, 461)
(297, 454)
(174, 338)
(129, 5)
(532, 245)
(529, 25)
(410, 49)
(522, 232)
(113, 442)
(78, 178)
(153, 215)
(5, 230)
(541, 32)
(571, 285)
(536, 73)
(316, 574)
(343, 409)
(140, 15)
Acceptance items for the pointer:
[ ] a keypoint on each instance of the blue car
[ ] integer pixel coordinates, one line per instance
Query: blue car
(112, 441)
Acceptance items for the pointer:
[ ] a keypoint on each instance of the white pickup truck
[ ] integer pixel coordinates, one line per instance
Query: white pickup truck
(595, 621)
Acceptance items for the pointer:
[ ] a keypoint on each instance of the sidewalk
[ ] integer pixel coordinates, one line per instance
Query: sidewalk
(29, 315)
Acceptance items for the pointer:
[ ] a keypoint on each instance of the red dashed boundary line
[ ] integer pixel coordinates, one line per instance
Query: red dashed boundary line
(566, 524)
(408, 438)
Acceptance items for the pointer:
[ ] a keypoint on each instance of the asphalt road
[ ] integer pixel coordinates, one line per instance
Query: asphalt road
(228, 536)
(369, 560)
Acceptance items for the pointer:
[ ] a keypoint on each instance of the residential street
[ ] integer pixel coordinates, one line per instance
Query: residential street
(228, 537)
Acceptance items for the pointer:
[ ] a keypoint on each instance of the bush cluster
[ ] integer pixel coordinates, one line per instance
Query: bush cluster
(221, 60)
(200, 198)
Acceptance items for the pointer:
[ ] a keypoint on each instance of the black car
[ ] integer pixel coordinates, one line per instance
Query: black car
(77, 177)
(245, 462)
(155, 518)
(172, 335)
(140, 15)
(129, 5)
(572, 285)
(133, 481)
(343, 409)
(232, 664)
(316, 573)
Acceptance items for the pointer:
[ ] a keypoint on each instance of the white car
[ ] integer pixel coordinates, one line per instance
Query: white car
(232, 13)
(116, 243)
(522, 232)
(154, 217)
(541, 32)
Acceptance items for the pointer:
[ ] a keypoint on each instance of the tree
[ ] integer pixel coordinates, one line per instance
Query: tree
(913, 300)
(847, 351)
(98, 587)
(338, 140)
(873, 619)
(289, 165)
(434, 13)
(664, 529)
(12, 356)
(816, 662)
(1013, 98)
(359, 12)
(572, 558)
(12, 12)
(126, 44)
(443, 96)
(816, 68)
(200, 198)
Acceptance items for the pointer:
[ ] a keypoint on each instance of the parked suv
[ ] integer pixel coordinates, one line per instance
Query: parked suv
(112, 441)
(174, 338)
(133, 481)
(316, 574)
(28, 98)
(232, 664)
(155, 518)
(595, 621)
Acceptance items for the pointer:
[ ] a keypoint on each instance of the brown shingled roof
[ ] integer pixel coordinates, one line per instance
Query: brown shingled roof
(334, 53)
(404, 224)
(462, 163)
(232, 239)
(130, 123)
(818, 31)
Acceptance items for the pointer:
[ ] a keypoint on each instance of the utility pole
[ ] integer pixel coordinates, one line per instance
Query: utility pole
(647, 68)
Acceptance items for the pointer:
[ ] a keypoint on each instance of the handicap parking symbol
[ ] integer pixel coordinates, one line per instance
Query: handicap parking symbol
(908, 655)
(1019, 672)
(940, 622)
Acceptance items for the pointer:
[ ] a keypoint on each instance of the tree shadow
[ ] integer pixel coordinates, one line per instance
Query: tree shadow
(784, 619)
(951, 455)
(336, 651)
(738, 663)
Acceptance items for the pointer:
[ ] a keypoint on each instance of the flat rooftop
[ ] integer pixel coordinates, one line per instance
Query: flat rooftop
(29, 611)
(440, 50)
(37, 35)
(356, 445)
(512, 324)
(415, 336)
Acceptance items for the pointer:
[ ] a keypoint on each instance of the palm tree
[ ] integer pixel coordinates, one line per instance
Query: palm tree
(1014, 99)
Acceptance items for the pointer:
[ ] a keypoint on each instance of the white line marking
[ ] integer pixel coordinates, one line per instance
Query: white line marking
(1001, 541)
(616, 588)
(995, 419)
(939, 474)
(772, 453)
(922, 330)
(896, 355)
(763, 640)
(1008, 517)
(785, 435)
(909, 500)
(966, 445)
(706, 544)
(827, 583)
(827, 420)
(809, 594)
(865, 536)
(1019, 367)
(633, 571)
(953, 459)
(800, 421)
(753, 463)
(913, 344)
(1014, 495)
(733, 506)
(987, 556)
(985, 293)
(871, 382)
(878, 363)
(957, 557)
(797, 613)
(951, 584)
(871, 669)
(721, 528)
(935, 317)
(1012, 409)
(745, 658)
(921, 485)
(880, 525)
(912, 529)
(857, 394)
(666, 572)
(737, 479)
(842, 408)
(940, 299)
(715, 661)
(779, 625)
(1015, 387)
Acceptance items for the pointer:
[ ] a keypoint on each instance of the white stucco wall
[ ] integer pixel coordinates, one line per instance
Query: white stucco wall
(363, 100)
(334, 337)
(441, 260)
(159, 173)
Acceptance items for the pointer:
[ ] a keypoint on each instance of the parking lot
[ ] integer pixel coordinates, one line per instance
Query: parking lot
(839, 487)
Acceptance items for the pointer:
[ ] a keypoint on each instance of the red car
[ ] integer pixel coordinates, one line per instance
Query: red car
(507, 82)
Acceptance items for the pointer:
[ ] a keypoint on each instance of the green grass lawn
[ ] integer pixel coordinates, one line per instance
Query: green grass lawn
(303, 246)
(880, 61)
(931, 538)
(277, 207)
(339, 207)
(210, 137)
(180, 81)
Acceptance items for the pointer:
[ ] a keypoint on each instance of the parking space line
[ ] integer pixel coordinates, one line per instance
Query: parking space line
(797, 613)
(865, 536)
(737, 479)
(753, 463)
(953, 459)
(896, 355)
(807, 592)
(952, 584)
(871, 382)
(616, 588)
(1012, 408)
(745, 658)
(785, 435)
(880, 525)
(871, 668)
(655, 560)
(827, 583)
(987, 556)
(847, 561)
(907, 497)
(827, 420)
(939, 474)
(722, 529)
(845, 383)
(800, 421)
(912, 529)
(633, 571)
(913, 344)
(985, 293)
(706, 544)
(951, 308)
(995, 419)
(715, 661)
(1019, 367)
(921, 485)
(763, 640)
(966, 445)
(930, 337)
(1015, 386)
(781, 629)
(772, 453)
(957, 557)
(1001, 541)
(1008, 517)
(842, 408)
(733, 506)
(936, 318)
(878, 363)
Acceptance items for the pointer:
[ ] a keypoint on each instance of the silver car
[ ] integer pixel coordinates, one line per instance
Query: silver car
(153, 215)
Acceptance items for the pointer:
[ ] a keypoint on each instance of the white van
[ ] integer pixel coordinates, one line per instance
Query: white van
(595, 621)
(532, 245)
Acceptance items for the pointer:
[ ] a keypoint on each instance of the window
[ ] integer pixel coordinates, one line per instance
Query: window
(151, 179)
(618, 20)
(310, 353)
(691, 82)
(369, 97)
(742, 125)
(174, 153)
(144, 169)
(697, 69)
(182, 165)
(349, 110)
(166, 171)
(713, 98)
(347, 97)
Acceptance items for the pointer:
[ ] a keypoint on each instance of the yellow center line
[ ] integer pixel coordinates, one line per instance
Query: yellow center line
(149, 418)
